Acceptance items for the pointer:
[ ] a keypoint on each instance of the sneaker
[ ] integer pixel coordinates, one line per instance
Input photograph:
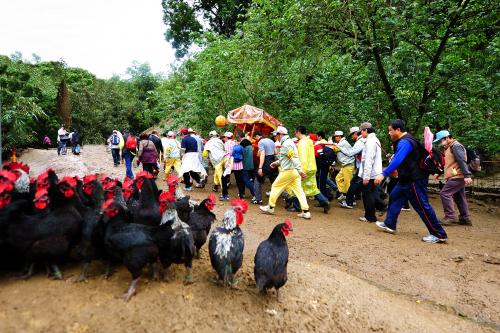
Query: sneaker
(256, 202)
(342, 197)
(433, 239)
(384, 228)
(267, 210)
(326, 209)
(188, 188)
(363, 219)
(448, 221)
(215, 188)
(464, 222)
(292, 209)
(268, 193)
(405, 209)
(224, 198)
(344, 204)
(354, 203)
(305, 215)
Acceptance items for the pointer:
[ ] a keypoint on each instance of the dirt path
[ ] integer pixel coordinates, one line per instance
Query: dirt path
(344, 276)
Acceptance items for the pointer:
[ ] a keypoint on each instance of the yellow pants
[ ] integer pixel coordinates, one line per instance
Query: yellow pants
(218, 171)
(289, 180)
(344, 178)
(169, 163)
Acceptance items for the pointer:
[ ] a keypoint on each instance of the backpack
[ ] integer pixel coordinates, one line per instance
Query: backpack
(75, 138)
(473, 159)
(131, 143)
(115, 140)
(237, 154)
(430, 162)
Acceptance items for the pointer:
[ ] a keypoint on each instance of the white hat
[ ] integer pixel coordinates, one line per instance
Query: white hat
(190, 130)
(228, 135)
(354, 129)
(171, 134)
(212, 133)
(338, 133)
(280, 130)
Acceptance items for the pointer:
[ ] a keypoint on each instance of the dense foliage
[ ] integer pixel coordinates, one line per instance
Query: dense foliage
(329, 64)
(38, 97)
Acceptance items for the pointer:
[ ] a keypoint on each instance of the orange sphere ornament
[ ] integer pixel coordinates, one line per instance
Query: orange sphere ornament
(220, 121)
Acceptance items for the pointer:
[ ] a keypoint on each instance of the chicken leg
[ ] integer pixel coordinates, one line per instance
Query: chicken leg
(57, 272)
(29, 273)
(131, 290)
(188, 279)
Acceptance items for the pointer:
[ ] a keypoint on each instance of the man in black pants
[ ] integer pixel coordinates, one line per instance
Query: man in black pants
(356, 150)
(266, 157)
(191, 166)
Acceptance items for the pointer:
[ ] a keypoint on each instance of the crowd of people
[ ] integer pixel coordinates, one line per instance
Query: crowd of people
(299, 168)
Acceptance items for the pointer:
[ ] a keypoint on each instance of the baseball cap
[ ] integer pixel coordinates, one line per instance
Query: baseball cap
(354, 130)
(171, 134)
(212, 133)
(280, 130)
(228, 135)
(338, 133)
(184, 131)
(190, 130)
(441, 135)
(365, 125)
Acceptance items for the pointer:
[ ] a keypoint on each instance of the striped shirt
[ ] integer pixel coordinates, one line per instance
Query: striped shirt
(229, 145)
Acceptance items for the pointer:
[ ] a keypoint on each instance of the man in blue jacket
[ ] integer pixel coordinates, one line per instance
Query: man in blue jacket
(412, 185)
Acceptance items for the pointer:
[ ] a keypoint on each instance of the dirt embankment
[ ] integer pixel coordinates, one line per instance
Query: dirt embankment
(344, 276)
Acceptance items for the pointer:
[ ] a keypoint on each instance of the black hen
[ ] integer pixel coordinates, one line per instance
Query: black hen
(147, 211)
(179, 248)
(200, 221)
(136, 245)
(87, 250)
(226, 243)
(271, 259)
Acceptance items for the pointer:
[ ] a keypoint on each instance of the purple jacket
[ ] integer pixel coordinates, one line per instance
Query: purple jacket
(147, 152)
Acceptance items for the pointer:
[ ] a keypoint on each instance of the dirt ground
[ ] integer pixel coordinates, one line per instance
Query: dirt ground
(344, 276)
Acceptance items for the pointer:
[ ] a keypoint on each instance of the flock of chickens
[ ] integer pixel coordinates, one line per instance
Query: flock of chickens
(50, 220)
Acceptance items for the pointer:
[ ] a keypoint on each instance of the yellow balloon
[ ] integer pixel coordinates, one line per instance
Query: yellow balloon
(220, 121)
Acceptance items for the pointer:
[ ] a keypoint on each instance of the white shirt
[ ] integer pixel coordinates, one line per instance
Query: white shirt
(216, 150)
(371, 160)
(171, 148)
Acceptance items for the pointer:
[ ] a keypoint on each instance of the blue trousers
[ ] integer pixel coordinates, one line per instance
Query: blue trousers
(248, 180)
(128, 164)
(416, 193)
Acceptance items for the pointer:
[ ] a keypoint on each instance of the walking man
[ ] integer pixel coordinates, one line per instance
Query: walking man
(172, 154)
(248, 167)
(356, 151)
(371, 167)
(114, 144)
(290, 174)
(346, 162)
(308, 164)
(267, 156)
(190, 166)
(216, 152)
(457, 175)
(412, 185)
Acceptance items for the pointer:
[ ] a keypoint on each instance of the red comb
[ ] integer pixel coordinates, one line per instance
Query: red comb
(41, 192)
(109, 184)
(107, 203)
(18, 166)
(240, 203)
(9, 175)
(68, 180)
(212, 198)
(289, 223)
(167, 196)
(144, 174)
(127, 182)
(6, 186)
(89, 178)
(103, 177)
(172, 179)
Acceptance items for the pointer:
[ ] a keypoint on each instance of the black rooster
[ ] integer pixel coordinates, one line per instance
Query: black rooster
(200, 221)
(271, 259)
(226, 243)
